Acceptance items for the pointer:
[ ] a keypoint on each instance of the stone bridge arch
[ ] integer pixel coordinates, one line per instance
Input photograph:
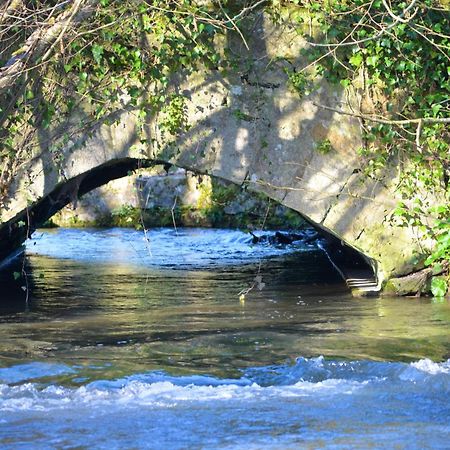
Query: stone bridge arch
(21, 227)
(248, 127)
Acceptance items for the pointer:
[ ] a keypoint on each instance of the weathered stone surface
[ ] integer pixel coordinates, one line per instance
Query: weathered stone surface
(185, 198)
(249, 127)
(412, 284)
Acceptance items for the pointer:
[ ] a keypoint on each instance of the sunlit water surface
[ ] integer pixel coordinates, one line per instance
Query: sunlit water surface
(130, 340)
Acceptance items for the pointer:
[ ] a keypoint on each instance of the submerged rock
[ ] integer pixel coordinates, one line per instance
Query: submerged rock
(285, 238)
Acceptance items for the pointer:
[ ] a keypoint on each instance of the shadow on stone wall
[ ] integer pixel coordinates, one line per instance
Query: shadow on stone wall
(247, 127)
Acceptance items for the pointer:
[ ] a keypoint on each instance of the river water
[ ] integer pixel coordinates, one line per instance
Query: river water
(133, 340)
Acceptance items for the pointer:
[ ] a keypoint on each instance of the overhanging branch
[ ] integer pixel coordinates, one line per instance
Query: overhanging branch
(420, 120)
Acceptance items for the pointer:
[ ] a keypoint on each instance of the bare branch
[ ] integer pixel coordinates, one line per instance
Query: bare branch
(11, 7)
(234, 25)
(386, 121)
(41, 43)
(75, 8)
(405, 11)
(383, 30)
(418, 133)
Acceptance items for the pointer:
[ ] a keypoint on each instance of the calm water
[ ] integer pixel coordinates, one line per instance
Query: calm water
(142, 341)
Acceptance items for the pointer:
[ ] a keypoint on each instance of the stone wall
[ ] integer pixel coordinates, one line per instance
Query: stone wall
(158, 198)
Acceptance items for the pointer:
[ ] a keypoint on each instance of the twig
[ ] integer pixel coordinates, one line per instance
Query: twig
(234, 25)
(386, 121)
(383, 30)
(418, 132)
(405, 11)
(173, 215)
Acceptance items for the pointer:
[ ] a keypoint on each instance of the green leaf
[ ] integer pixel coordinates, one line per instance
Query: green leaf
(97, 53)
(401, 65)
(372, 60)
(436, 109)
(356, 60)
(16, 275)
(439, 286)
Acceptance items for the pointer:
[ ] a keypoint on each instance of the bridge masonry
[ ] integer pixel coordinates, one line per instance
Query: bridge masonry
(248, 127)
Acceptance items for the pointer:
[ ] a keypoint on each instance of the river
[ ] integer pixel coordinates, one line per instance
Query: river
(145, 340)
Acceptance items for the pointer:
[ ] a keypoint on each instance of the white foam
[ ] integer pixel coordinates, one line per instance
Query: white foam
(433, 368)
(161, 394)
(314, 378)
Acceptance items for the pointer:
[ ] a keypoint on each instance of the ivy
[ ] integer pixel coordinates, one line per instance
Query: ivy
(174, 115)
(405, 64)
(300, 82)
(124, 55)
(439, 286)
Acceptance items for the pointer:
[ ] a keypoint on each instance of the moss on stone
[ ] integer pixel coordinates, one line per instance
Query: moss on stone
(414, 284)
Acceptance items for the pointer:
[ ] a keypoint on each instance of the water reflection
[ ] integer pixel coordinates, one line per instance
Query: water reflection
(111, 342)
(143, 317)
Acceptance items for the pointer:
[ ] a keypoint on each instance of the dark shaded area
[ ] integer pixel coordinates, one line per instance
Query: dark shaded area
(280, 238)
(344, 256)
(347, 261)
(14, 285)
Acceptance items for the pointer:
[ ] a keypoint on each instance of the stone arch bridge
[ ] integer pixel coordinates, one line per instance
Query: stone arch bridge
(249, 128)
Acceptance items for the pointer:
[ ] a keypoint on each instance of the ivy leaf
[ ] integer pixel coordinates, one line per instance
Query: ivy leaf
(436, 108)
(356, 60)
(47, 115)
(97, 53)
(438, 286)
(401, 65)
(372, 60)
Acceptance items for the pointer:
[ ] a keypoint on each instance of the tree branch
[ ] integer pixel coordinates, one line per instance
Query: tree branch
(386, 121)
(41, 43)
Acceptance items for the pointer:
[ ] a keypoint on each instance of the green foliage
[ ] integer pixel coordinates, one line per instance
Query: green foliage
(324, 147)
(439, 286)
(126, 216)
(174, 117)
(299, 81)
(442, 249)
(440, 257)
(107, 62)
(242, 116)
(404, 66)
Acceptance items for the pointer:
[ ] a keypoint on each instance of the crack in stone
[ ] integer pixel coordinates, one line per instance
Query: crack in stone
(245, 80)
(336, 200)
